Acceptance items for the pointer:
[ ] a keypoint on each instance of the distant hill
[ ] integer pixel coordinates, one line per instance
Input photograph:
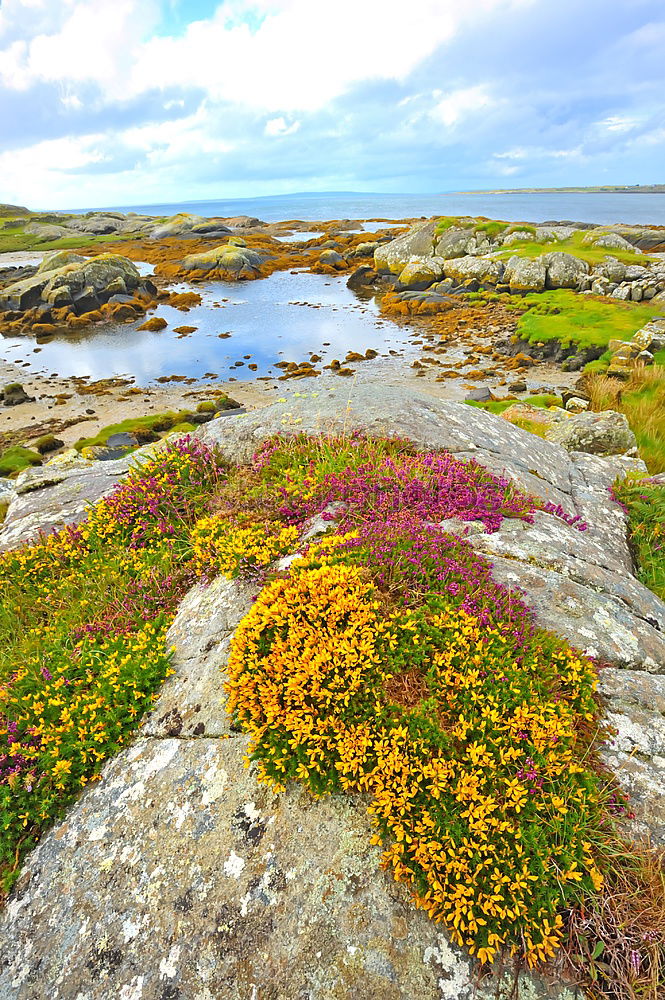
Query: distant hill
(10, 211)
(603, 188)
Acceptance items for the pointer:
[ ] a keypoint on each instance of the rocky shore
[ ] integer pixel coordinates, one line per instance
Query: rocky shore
(460, 287)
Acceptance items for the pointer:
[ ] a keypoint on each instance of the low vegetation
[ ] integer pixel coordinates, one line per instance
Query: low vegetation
(385, 660)
(153, 426)
(15, 460)
(642, 399)
(83, 617)
(584, 320)
(645, 506)
(574, 245)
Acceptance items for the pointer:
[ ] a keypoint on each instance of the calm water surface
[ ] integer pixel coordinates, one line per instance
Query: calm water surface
(601, 207)
(284, 317)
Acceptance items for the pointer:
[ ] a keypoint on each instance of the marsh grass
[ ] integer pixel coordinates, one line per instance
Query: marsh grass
(642, 399)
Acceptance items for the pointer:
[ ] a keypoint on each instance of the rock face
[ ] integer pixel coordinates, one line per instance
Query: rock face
(179, 877)
(417, 242)
(564, 270)
(604, 433)
(84, 284)
(485, 270)
(525, 275)
(228, 261)
(51, 496)
(184, 224)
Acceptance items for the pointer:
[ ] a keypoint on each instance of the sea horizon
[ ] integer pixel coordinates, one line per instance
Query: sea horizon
(599, 207)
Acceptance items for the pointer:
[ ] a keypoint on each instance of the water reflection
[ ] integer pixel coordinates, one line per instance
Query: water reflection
(287, 316)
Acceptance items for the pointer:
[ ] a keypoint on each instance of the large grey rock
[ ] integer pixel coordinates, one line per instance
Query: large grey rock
(232, 262)
(604, 433)
(610, 240)
(98, 224)
(180, 876)
(612, 269)
(554, 234)
(456, 242)
(525, 275)
(421, 272)
(635, 704)
(86, 280)
(49, 497)
(564, 270)
(486, 270)
(46, 232)
(419, 241)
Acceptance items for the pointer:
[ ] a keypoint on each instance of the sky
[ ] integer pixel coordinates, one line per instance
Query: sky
(122, 102)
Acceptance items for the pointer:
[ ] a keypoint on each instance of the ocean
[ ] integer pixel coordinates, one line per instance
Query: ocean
(602, 208)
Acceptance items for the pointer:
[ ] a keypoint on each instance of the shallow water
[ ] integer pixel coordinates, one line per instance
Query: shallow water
(284, 317)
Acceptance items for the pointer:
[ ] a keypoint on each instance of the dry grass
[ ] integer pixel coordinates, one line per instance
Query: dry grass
(616, 946)
(642, 399)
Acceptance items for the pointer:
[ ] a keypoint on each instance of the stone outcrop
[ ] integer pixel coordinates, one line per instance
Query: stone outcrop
(229, 262)
(83, 284)
(185, 225)
(484, 270)
(419, 241)
(48, 497)
(179, 876)
(564, 270)
(524, 274)
(605, 433)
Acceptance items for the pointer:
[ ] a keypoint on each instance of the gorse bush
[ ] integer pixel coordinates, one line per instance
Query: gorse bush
(388, 661)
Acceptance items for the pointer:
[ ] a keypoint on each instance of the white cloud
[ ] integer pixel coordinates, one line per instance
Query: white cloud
(265, 54)
(278, 126)
(460, 104)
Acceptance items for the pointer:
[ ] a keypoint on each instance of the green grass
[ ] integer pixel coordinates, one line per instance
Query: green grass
(574, 246)
(490, 227)
(150, 427)
(584, 320)
(646, 513)
(14, 460)
(497, 406)
(15, 240)
(145, 428)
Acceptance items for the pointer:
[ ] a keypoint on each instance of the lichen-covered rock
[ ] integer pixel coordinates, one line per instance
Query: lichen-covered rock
(456, 242)
(84, 284)
(97, 224)
(332, 259)
(46, 232)
(421, 272)
(419, 241)
(610, 240)
(59, 258)
(524, 274)
(564, 270)
(230, 262)
(554, 234)
(604, 433)
(485, 270)
(611, 269)
(519, 236)
(178, 225)
(180, 876)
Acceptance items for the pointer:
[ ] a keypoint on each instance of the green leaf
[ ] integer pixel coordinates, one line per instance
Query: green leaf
(598, 950)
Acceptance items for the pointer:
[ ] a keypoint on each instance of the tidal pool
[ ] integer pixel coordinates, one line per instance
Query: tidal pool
(286, 317)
